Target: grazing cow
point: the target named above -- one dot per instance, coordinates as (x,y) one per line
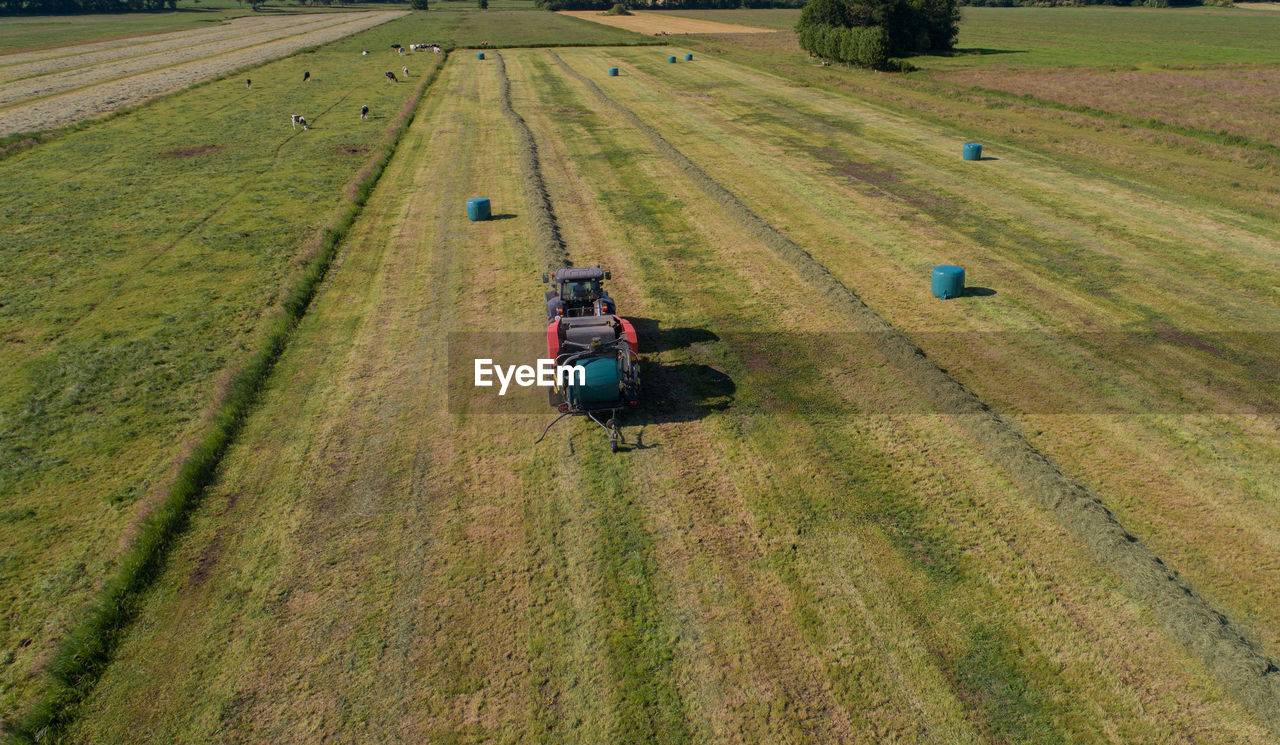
(364,113)
(306,76)
(392,77)
(406,71)
(248,83)
(400,50)
(484,43)
(365,53)
(395,46)
(296,119)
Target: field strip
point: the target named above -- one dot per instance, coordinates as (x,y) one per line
(387,470)
(655,23)
(804,483)
(1123,411)
(85,654)
(1188,618)
(546,228)
(61,82)
(67,108)
(143,46)
(38,55)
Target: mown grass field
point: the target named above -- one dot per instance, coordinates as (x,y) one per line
(799,545)
(819,560)
(144,258)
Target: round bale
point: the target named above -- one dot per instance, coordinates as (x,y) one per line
(948,281)
(478,209)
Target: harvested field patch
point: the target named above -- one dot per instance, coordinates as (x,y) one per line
(1236,101)
(651,23)
(100,90)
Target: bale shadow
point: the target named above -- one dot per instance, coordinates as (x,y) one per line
(503,216)
(988,157)
(978,292)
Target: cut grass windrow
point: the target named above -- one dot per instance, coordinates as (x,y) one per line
(646,702)
(550,245)
(1240,665)
(87,650)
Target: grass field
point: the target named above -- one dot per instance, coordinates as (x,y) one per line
(805,540)
(883,580)
(121,315)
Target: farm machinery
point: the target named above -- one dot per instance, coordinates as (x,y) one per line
(596,348)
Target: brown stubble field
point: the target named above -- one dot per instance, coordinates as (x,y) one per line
(1238,101)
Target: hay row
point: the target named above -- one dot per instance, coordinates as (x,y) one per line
(546,230)
(1241,666)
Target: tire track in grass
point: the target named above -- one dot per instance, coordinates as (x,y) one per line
(646,705)
(1239,664)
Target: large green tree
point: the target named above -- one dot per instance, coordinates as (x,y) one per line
(828,28)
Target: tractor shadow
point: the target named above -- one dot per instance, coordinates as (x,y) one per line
(680,391)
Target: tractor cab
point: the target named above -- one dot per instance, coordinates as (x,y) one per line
(577,291)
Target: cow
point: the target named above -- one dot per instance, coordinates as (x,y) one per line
(364,113)
(248,83)
(392,77)
(306,76)
(406,70)
(297,119)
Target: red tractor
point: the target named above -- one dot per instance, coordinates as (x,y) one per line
(596,352)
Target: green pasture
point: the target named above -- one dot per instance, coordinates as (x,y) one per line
(1087,37)
(38,32)
(144,257)
(1110,37)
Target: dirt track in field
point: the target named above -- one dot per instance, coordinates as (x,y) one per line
(114,85)
(653,23)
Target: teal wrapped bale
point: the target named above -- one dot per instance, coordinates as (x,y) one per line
(973,151)
(478,209)
(613,72)
(672,58)
(688,57)
(948,281)
(480,55)
(600,381)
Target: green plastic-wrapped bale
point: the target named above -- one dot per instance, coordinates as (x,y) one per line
(600,384)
